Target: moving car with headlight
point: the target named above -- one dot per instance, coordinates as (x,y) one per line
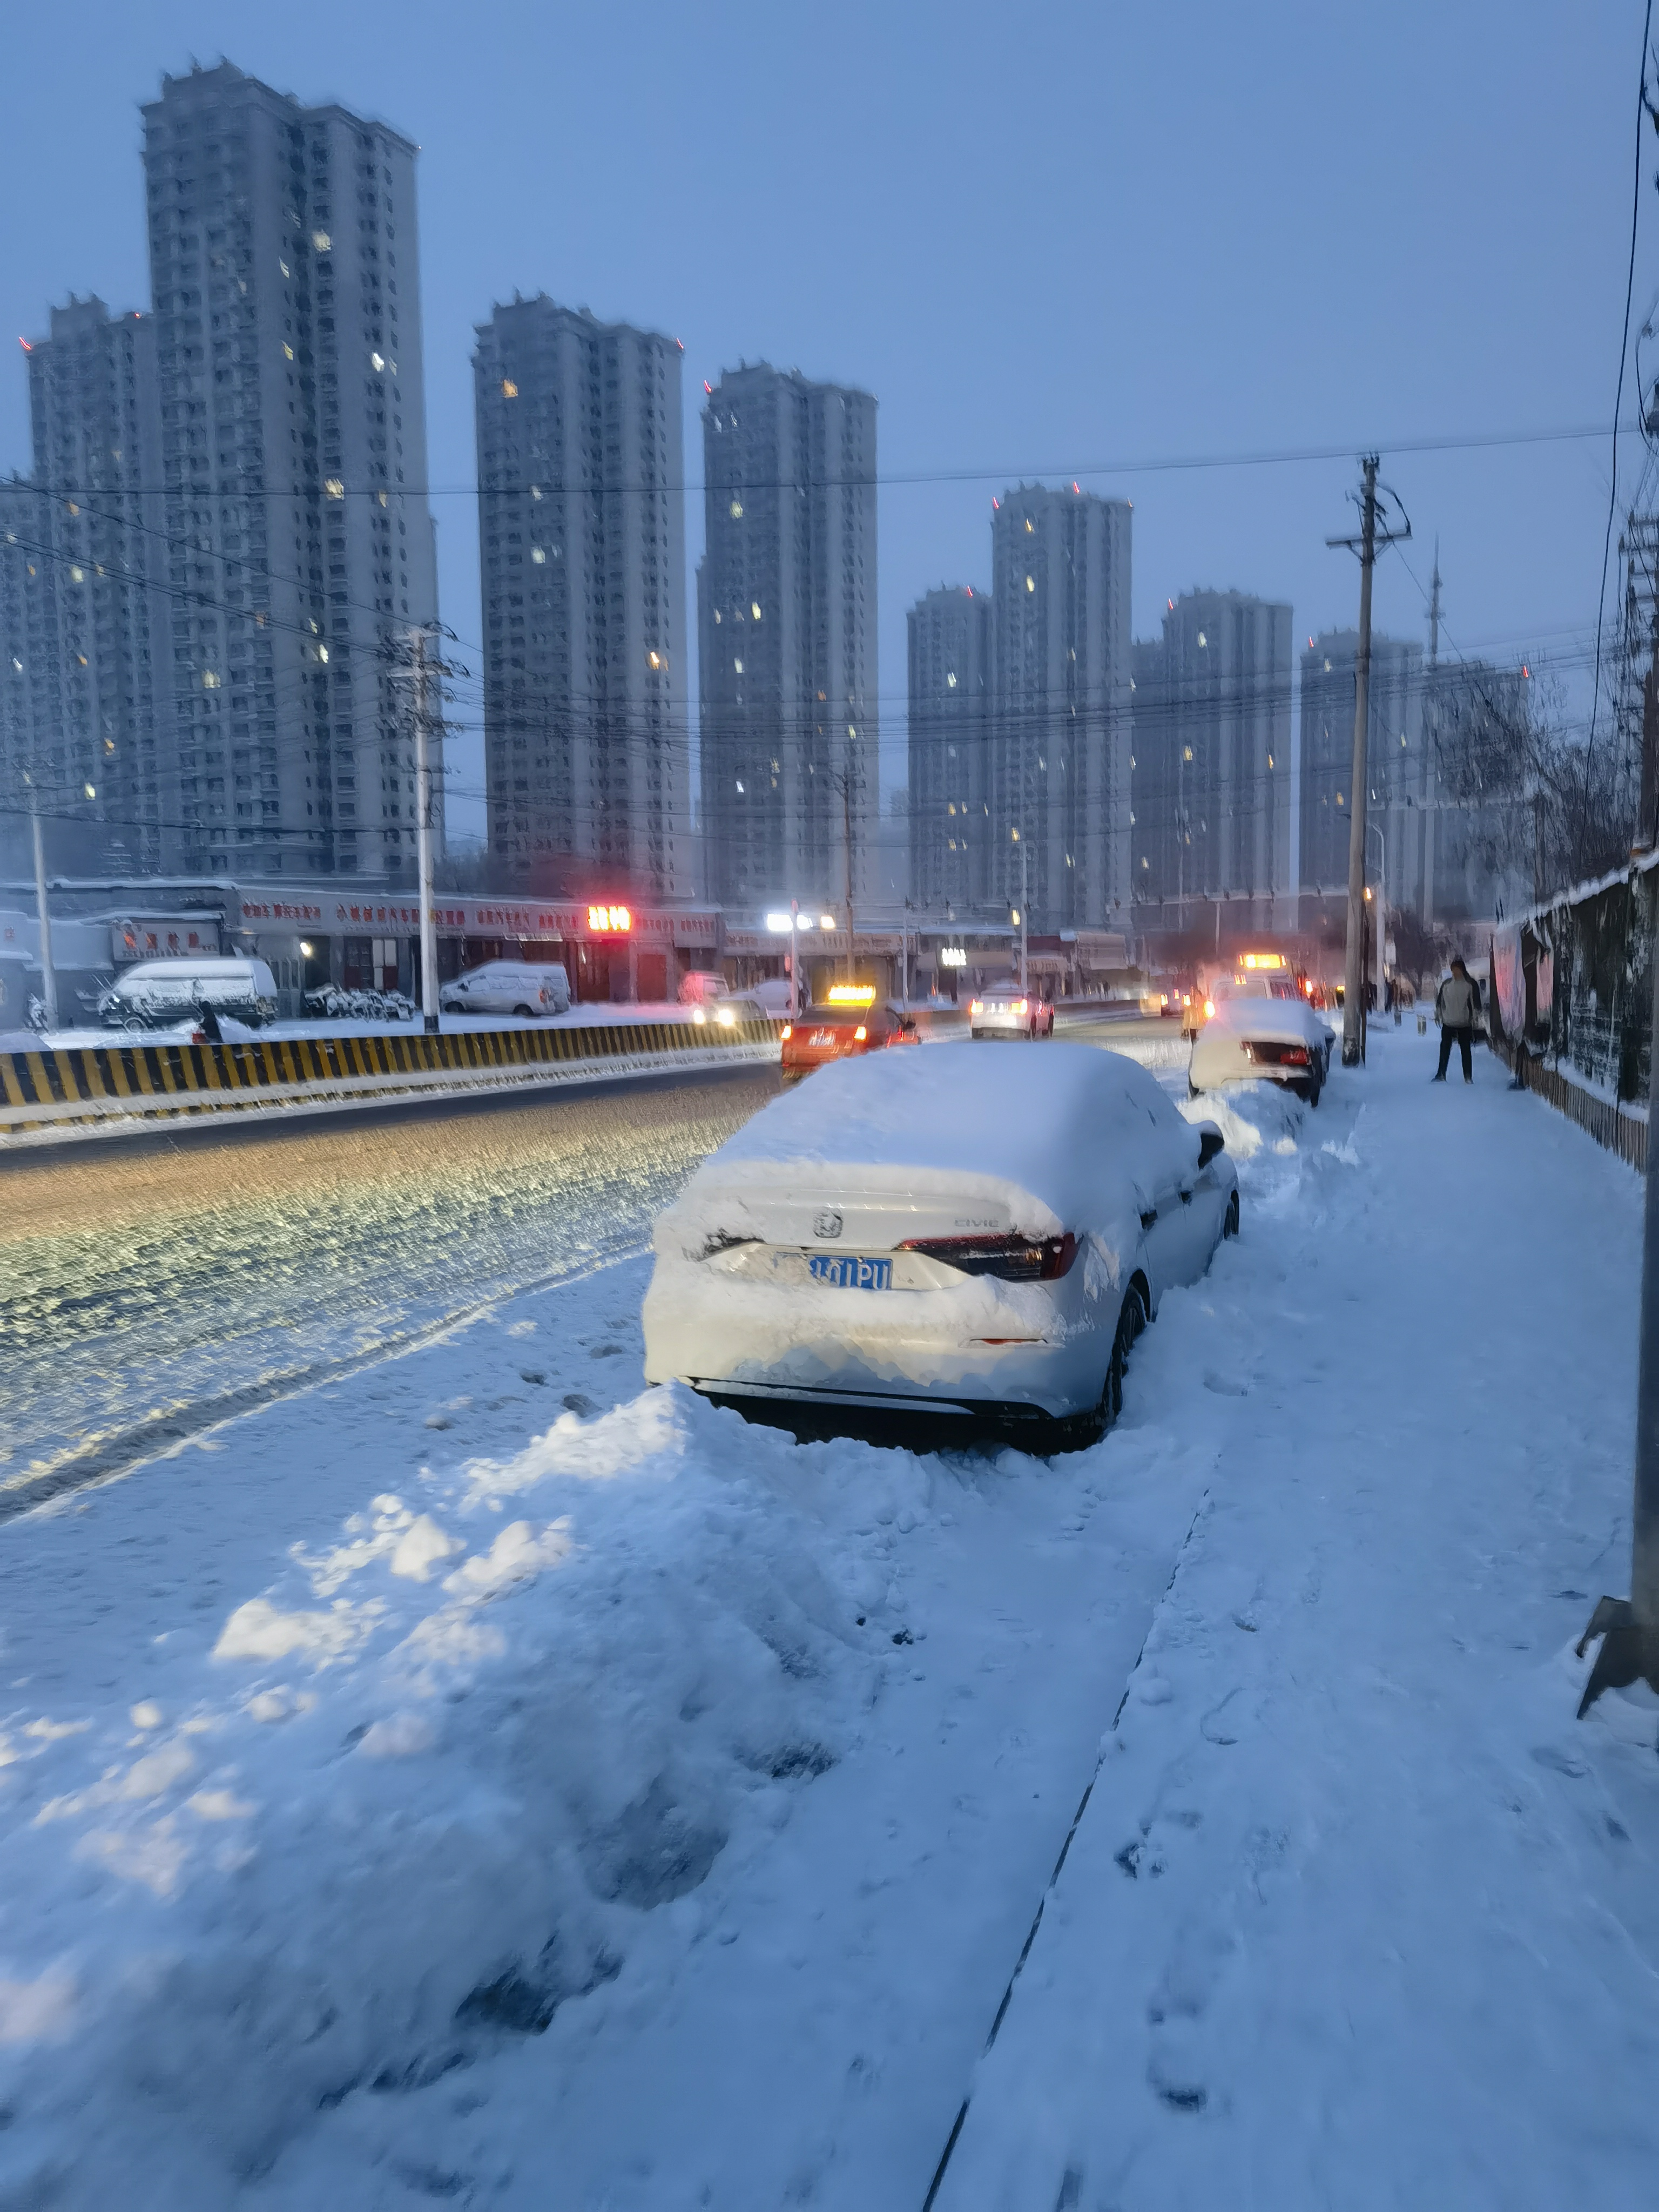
(1262,1029)
(958,1237)
(852,1021)
(1008,1009)
(730,1013)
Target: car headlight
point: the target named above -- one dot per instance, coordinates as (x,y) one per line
(698,1015)
(724,1017)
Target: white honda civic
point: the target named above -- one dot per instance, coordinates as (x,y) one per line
(945,1232)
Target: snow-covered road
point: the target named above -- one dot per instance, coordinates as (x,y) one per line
(394,1808)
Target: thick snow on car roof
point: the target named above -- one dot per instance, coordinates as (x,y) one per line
(1072,1137)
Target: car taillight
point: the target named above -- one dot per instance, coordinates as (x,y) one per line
(1010,1258)
(788,1031)
(860,1034)
(1295,1056)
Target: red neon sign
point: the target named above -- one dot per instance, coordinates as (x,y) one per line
(604,920)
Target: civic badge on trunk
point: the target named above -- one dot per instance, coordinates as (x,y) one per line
(828,1223)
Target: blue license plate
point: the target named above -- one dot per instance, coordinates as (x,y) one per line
(849,1272)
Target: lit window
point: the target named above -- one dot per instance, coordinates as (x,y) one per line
(655,660)
(951,683)
(377,362)
(210,681)
(737,510)
(288,351)
(754,608)
(1187,753)
(322,654)
(534,491)
(321,240)
(537,553)
(1031,583)
(1203,639)
(1270,760)
(77,575)
(1028,525)
(283,266)
(739,783)
(334,486)
(737,664)
(509,390)
(90,789)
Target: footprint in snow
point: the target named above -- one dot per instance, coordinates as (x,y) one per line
(1226,1386)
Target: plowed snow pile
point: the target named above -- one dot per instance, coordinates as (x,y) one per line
(424,1789)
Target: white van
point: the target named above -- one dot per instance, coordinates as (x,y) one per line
(508,987)
(157,993)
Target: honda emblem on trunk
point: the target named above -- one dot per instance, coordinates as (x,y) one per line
(828,1223)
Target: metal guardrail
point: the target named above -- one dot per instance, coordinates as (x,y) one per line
(1604,1119)
(60,1094)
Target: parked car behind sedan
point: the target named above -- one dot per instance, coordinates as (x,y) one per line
(1007,1010)
(845,1028)
(508,987)
(1262,1033)
(731,1011)
(962,1235)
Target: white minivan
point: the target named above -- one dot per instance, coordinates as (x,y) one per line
(508,987)
(157,993)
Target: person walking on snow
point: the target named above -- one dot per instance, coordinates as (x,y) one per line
(1457,1008)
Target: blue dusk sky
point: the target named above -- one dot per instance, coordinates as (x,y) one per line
(1055,240)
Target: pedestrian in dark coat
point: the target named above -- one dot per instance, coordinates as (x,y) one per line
(1457,1010)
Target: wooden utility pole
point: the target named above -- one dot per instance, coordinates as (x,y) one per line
(1354,1006)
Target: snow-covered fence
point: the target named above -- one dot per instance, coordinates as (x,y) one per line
(1572,1004)
(60,1094)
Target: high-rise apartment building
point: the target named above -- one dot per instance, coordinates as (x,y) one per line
(284,269)
(581,532)
(949,698)
(1060,708)
(786,631)
(100,730)
(1394,765)
(1212,780)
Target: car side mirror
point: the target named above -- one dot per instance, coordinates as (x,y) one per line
(1210,1142)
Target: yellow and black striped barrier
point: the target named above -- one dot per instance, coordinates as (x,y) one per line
(57,1093)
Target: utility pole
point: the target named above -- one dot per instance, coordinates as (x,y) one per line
(1354,1005)
(423,837)
(794,960)
(48,973)
(1432,748)
(1024,912)
(1629,1627)
(847,848)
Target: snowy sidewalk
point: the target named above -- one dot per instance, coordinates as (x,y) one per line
(1358,1915)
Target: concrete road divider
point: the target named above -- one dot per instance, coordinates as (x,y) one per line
(62,1094)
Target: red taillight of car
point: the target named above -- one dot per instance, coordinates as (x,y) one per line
(1010,1258)
(1294,1056)
(860,1034)
(788,1031)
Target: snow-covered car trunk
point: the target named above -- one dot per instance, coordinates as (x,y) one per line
(1270,1040)
(934,1230)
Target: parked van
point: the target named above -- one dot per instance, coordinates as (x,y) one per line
(508,987)
(158,993)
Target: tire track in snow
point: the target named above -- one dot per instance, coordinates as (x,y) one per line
(120,1452)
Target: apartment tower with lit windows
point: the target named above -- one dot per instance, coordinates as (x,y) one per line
(285,276)
(950,654)
(1214,841)
(786,635)
(581,537)
(1059,748)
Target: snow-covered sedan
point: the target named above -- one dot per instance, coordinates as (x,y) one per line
(1261,1031)
(949,1233)
(1006,1010)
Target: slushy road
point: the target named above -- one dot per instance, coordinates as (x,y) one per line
(144,1294)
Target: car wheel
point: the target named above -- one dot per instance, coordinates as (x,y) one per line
(1130,1321)
(1316,1084)
(522,1013)
(1229,1226)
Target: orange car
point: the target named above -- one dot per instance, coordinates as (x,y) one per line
(853,1022)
